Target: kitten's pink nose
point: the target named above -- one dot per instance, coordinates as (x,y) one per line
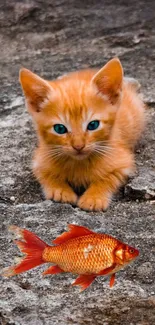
(78,147)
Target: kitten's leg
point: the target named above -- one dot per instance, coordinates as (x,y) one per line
(99,194)
(58,191)
(51,179)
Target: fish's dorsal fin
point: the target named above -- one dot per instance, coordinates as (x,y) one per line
(74,231)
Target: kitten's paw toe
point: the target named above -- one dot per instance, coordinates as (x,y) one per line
(90,204)
(93,204)
(69,197)
(62,195)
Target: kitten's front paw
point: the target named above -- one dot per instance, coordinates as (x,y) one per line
(65,195)
(93,203)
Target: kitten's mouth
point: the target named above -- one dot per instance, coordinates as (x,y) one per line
(80,155)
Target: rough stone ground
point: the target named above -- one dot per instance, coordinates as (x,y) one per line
(51,38)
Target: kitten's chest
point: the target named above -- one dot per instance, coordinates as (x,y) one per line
(80,175)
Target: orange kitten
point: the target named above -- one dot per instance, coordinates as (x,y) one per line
(87,123)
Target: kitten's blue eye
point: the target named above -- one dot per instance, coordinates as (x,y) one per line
(60,128)
(93,125)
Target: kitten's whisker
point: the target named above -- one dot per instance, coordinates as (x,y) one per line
(105,147)
(104,153)
(52,154)
(104,144)
(104,150)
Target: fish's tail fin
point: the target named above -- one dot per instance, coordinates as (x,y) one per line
(29,244)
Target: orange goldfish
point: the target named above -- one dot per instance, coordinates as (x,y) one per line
(79,250)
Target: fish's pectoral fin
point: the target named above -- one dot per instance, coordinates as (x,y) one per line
(53,270)
(112,280)
(84,281)
(108,270)
(74,231)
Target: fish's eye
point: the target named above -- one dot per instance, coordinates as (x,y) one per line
(93,125)
(131,250)
(60,128)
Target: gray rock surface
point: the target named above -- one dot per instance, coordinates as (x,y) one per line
(52,38)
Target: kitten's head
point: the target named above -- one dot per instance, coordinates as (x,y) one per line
(74,115)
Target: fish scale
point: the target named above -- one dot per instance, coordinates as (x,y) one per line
(71,257)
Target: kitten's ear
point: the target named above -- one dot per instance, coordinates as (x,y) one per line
(36,90)
(108,80)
